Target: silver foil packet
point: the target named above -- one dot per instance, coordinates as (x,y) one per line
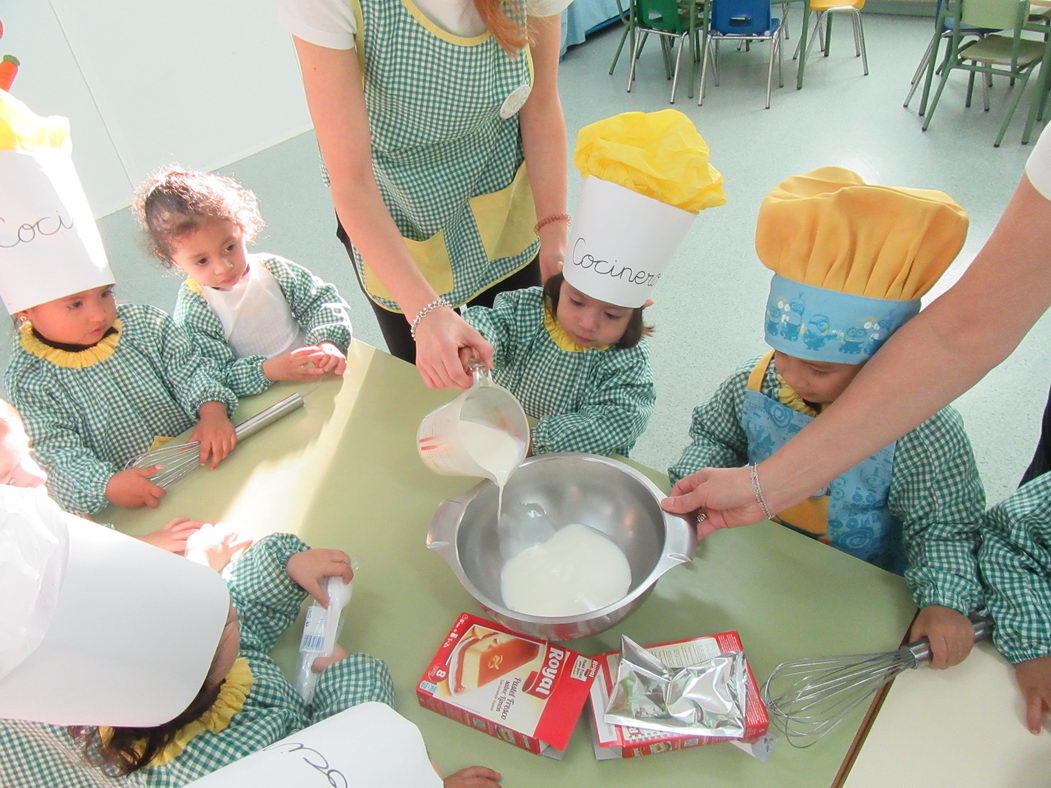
(703,699)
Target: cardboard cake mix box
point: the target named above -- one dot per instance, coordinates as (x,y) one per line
(618,741)
(527,692)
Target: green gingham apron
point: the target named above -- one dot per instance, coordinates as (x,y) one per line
(446,148)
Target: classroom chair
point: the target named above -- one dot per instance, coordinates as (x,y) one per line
(1005,54)
(824,10)
(743,21)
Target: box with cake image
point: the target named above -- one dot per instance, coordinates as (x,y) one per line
(621,741)
(526,692)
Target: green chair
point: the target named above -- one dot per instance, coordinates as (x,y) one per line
(671,23)
(628,18)
(1005,55)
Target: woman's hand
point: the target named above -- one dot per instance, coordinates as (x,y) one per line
(949,632)
(1034,679)
(723,495)
(552,248)
(440,337)
(132,488)
(310,567)
(172,535)
(214,432)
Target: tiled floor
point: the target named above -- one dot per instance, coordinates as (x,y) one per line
(710,305)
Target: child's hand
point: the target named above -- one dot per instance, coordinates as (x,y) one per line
(1034,679)
(310,567)
(950,633)
(133,488)
(332,361)
(299,365)
(173,535)
(215,433)
(338,653)
(215,545)
(473,777)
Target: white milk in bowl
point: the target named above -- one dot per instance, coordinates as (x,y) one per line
(576,571)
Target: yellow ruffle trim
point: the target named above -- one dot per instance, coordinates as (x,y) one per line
(560,336)
(230,701)
(786,395)
(79,359)
(193,285)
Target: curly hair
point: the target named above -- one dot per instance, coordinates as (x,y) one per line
(174,202)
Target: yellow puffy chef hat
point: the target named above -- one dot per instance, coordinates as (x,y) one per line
(850,260)
(49,244)
(646,176)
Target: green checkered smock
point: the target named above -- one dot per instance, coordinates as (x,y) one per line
(449,168)
(1015,562)
(935,489)
(590,400)
(88,416)
(267,602)
(315,305)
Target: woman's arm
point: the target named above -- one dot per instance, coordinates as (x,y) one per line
(926,364)
(544,141)
(332,80)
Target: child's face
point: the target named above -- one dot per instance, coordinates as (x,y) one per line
(79,319)
(590,322)
(819,382)
(214,253)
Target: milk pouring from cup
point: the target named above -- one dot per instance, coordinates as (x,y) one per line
(320,630)
(483,432)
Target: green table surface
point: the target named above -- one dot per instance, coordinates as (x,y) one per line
(343,472)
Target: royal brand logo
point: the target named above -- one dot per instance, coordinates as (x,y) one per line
(496,661)
(540,682)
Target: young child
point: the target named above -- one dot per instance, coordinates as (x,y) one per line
(578,365)
(851,261)
(260,317)
(574,352)
(96,384)
(1015,564)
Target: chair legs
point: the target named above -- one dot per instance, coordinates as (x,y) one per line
(917,76)
(826,40)
(711,56)
(673,72)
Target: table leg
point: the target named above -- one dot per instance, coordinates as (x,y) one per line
(1042,87)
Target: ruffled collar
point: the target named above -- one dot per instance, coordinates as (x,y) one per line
(786,395)
(560,336)
(71,359)
(230,701)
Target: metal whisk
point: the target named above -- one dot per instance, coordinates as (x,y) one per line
(177,461)
(807,698)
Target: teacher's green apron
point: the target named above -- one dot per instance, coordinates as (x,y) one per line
(852,515)
(446,148)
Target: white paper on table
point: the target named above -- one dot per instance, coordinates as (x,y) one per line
(957,727)
(365,745)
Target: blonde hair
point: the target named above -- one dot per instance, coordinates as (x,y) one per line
(512,34)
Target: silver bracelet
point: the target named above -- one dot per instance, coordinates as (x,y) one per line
(437,303)
(758,491)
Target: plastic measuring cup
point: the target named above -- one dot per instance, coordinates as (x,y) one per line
(439,440)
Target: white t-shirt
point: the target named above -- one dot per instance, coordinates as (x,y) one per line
(330,23)
(1038,168)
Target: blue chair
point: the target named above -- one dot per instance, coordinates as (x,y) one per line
(743,21)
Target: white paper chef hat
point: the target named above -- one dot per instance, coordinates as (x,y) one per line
(49,244)
(98,628)
(646,176)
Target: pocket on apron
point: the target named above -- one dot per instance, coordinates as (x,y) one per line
(432,258)
(505,218)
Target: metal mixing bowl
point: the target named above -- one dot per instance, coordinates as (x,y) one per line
(599,492)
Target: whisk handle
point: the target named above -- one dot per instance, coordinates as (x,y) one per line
(921,649)
(252,425)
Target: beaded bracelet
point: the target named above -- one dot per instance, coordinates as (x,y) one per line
(758,491)
(555,217)
(437,303)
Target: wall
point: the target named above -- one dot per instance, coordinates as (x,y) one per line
(201,82)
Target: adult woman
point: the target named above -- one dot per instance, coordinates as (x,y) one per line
(934,358)
(421,115)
